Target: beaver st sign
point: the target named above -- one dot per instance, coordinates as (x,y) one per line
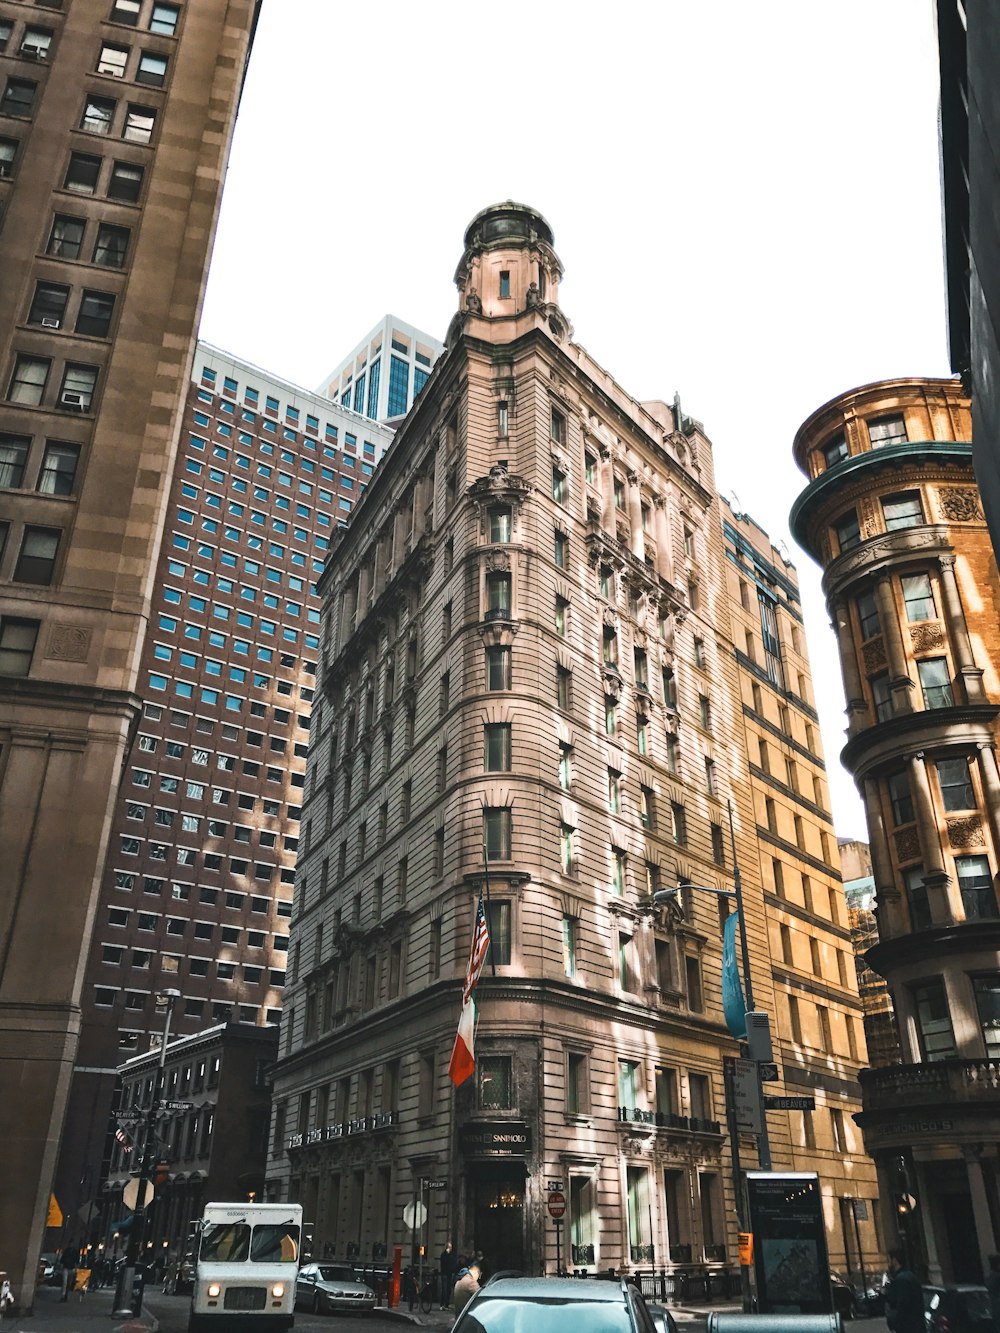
(557,1204)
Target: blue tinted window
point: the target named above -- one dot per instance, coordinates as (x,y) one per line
(399,386)
(201,418)
(420,378)
(359,394)
(182,543)
(373,377)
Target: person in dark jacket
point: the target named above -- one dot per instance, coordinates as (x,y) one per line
(447,1268)
(904,1301)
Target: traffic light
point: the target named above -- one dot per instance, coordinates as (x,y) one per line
(161,1173)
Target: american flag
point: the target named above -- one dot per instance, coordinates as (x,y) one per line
(123,1138)
(480,947)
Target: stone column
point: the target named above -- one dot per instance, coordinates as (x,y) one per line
(990,777)
(638,542)
(664,553)
(857,708)
(943,907)
(931,1222)
(958,633)
(890,917)
(980,1206)
(364,593)
(901,684)
(607,491)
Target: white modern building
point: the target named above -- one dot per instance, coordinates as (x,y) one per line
(385,372)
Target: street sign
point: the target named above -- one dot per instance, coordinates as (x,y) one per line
(789,1103)
(769,1073)
(176,1106)
(129,1117)
(437,1184)
(55,1217)
(557,1204)
(415,1215)
(746,1096)
(130,1194)
(553,1185)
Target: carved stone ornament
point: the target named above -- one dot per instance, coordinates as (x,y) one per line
(68,643)
(874,655)
(960,504)
(671,722)
(497,560)
(907,844)
(613,683)
(868,521)
(966,832)
(926,636)
(610,619)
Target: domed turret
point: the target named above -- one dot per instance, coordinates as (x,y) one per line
(509,265)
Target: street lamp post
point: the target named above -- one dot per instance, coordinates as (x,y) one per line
(131,1282)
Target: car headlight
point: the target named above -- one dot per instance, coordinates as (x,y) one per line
(278,1290)
(214,1289)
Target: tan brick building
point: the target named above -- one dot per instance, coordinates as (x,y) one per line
(528,647)
(892,513)
(115,122)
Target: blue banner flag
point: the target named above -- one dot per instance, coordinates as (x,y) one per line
(733,1004)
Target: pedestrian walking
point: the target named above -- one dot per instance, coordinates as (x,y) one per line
(6,1295)
(448,1267)
(466,1287)
(904,1301)
(69,1259)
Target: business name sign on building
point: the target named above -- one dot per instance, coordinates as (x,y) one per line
(494,1138)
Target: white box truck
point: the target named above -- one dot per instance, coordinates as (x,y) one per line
(246,1264)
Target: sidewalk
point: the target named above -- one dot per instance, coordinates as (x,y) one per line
(88,1315)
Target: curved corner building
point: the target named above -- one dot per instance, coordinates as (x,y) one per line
(892,513)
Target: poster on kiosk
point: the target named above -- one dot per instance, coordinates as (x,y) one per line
(791,1263)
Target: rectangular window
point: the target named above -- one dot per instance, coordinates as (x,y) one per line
(152,70)
(94,316)
(559,485)
(956,784)
(900,798)
(567,855)
(111,246)
(577,1083)
(918,598)
(847,530)
(98,113)
(628,1083)
(17,645)
(569,931)
(881,696)
(680,823)
(935,682)
(916,897)
(496,833)
(868,616)
(13,454)
(562,616)
(139,122)
(498,920)
(65,238)
(496,1082)
(18,98)
(563,691)
(28,380)
(164,19)
(937,1038)
(504,285)
(125,184)
(886,430)
(37,558)
(902,511)
(692,978)
(76,393)
(497,745)
(834,450)
(976,886)
(113,60)
(987,992)
(58,468)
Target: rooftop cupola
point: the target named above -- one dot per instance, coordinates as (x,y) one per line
(509,265)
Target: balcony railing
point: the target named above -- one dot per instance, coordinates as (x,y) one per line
(667,1120)
(583,1254)
(939,1082)
(642,1254)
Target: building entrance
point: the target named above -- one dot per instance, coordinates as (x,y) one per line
(498,1215)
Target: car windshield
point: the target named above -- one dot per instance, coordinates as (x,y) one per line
(977,1303)
(330,1274)
(225,1242)
(499,1314)
(275,1244)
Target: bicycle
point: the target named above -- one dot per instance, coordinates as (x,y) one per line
(428,1293)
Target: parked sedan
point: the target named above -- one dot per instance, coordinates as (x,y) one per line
(330,1288)
(962,1308)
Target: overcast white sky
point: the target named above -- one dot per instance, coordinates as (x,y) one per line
(745,199)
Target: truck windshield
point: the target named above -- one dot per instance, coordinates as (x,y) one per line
(275,1244)
(225,1242)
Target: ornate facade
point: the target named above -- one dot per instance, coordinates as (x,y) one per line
(528,688)
(893,514)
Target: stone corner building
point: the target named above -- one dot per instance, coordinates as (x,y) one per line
(115,123)
(528,668)
(893,514)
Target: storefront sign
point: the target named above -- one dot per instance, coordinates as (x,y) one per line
(494,1138)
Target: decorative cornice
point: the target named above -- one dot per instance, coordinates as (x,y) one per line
(959,727)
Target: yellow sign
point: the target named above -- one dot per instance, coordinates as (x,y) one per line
(55,1217)
(745,1239)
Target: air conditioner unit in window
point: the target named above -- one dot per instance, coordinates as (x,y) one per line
(47,322)
(32,51)
(70,399)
